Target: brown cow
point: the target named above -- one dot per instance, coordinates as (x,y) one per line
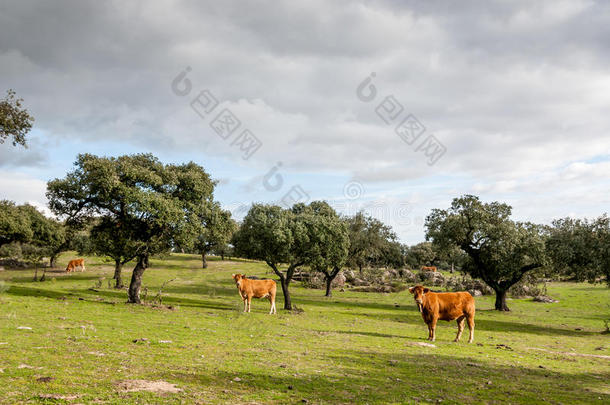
(428,268)
(73,264)
(446,307)
(249,289)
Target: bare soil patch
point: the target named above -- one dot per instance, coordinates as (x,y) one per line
(145,385)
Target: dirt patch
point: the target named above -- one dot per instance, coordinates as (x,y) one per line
(145,385)
(58,397)
(422,344)
(597,356)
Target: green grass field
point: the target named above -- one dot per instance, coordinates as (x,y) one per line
(351,348)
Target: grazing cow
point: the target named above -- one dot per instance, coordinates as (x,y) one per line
(249,289)
(446,307)
(428,268)
(73,264)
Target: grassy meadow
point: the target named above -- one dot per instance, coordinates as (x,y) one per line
(351,348)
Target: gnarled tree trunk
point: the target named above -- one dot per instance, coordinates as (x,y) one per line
(287,300)
(53,261)
(136,280)
(501,301)
(329,290)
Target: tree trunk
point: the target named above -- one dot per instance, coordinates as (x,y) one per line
(287,301)
(451,267)
(204,261)
(360,269)
(329,290)
(53,261)
(501,301)
(118,267)
(222,257)
(136,280)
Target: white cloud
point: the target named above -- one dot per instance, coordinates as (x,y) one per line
(517,91)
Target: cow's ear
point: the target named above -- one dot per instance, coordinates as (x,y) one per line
(411,289)
(426,290)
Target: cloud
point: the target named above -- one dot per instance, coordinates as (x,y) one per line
(516,91)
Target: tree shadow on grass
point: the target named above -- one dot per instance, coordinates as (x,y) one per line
(21,291)
(60,276)
(166,300)
(353,376)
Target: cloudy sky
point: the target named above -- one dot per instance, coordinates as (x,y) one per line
(394,107)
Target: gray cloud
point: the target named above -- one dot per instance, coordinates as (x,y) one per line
(513,89)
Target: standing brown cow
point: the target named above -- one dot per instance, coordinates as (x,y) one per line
(249,289)
(446,307)
(73,264)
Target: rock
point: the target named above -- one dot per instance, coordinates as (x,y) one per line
(339,281)
(24,327)
(489,382)
(165,341)
(359,282)
(476,293)
(237,379)
(545,299)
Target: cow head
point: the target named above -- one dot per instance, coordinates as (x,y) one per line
(418,294)
(238,278)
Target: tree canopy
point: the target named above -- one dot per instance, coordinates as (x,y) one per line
(268,233)
(500,251)
(147,201)
(15,120)
(324,241)
(580,248)
(370,242)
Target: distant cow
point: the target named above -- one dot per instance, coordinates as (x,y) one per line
(73,264)
(249,289)
(428,268)
(446,307)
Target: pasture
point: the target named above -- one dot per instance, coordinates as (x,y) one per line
(86,344)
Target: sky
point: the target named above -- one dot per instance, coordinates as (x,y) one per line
(391,107)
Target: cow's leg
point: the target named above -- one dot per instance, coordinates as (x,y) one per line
(471,327)
(429,331)
(433,329)
(249,302)
(460,324)
(245,299)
